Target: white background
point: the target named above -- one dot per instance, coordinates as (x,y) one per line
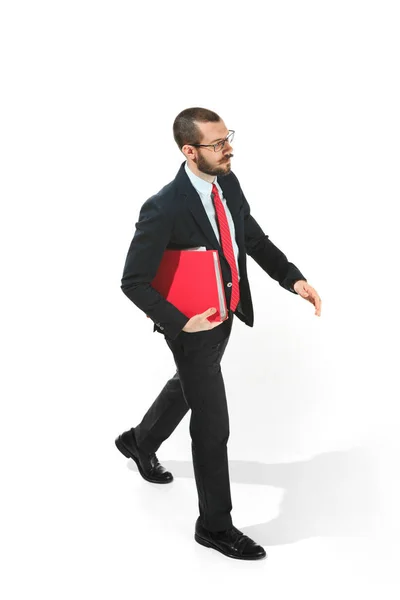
(89,94)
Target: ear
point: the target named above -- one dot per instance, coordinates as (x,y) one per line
(189,152)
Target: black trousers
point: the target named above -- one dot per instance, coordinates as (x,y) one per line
(197,385)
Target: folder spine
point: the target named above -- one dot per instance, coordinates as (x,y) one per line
(221,295)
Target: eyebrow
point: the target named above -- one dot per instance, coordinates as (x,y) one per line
(219,139)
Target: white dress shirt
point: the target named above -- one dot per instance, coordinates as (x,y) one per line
(204,189)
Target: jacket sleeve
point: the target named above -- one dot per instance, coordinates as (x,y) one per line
(272,260)
(146,250)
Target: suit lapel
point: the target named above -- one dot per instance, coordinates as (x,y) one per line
(196,207)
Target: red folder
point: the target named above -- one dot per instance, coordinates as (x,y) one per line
(191,280)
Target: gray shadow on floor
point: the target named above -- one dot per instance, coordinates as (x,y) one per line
(333,494)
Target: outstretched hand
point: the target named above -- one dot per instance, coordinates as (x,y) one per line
(305,290)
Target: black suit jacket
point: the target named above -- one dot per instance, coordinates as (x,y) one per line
(175,218)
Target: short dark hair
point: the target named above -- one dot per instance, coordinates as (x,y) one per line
(185,127)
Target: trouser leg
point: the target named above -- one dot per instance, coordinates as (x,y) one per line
(204,391)
(162,417)
(170,406)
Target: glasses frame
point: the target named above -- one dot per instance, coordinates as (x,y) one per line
(231,132)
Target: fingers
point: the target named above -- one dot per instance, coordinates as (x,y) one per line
(318,306)
(312,296)
(206,314)
(316,300)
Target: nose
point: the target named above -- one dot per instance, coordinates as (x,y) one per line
(227,148)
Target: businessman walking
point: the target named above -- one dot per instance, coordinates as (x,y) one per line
(203,205)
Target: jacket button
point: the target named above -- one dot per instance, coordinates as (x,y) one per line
(229,284)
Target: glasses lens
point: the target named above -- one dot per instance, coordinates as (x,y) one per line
(220,145)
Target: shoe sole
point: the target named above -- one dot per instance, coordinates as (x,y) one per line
(209,544)
(126,452)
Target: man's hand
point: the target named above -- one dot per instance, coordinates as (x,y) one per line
(306,291)
(200,322)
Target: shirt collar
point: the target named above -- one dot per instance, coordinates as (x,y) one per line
(202,186)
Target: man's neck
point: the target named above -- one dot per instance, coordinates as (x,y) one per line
(205,176)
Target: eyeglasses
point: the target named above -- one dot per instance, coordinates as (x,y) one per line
(219,145)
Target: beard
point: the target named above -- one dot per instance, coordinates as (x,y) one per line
(210,169)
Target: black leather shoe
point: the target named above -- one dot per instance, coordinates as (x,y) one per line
(231,542)
(148,465)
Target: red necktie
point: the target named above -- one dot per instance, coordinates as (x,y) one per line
(227,248)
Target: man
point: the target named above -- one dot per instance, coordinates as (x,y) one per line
(203,206)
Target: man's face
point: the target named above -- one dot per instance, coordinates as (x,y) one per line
(206,159)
